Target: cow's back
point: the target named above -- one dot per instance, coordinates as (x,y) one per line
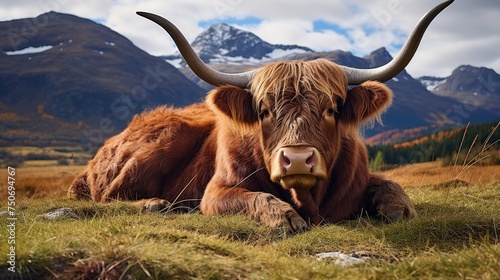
(164,152)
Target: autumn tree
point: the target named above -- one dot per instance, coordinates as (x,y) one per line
(377,163)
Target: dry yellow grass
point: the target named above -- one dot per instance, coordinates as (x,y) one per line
(433,173)
(42,182)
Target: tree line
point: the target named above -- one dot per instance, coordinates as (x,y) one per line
(462,145)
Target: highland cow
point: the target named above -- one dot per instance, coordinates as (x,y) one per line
(279,144)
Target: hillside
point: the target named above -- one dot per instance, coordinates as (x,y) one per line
(472,86)
(74,81)
(472,144)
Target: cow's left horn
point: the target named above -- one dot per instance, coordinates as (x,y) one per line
(388,71)
(203,71)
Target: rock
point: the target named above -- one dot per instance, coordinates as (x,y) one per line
(60,214)
(342,259)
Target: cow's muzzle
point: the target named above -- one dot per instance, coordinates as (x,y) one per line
(298,167)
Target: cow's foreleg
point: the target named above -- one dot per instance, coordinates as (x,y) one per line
(273,212)
(263,207)
(388,200)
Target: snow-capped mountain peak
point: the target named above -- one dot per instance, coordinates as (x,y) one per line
(222,43)
(219,33)
(478,86)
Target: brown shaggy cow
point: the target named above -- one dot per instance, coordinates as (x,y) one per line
(281,144)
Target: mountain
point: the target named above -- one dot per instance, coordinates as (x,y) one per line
(232,50)
(222,43)
(68,79)
(414,106)
(472,86)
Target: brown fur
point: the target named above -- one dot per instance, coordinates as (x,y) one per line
(218,155)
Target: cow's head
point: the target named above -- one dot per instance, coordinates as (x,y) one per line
(299,110)
(303,108)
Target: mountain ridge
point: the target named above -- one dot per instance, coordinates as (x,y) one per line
(90,79)
(472,86)
(76,81)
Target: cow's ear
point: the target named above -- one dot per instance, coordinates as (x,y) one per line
(235,105)
(365,102)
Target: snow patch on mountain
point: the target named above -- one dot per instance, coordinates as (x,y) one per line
(176,62)
(431,83)
(29,50)
(277,53)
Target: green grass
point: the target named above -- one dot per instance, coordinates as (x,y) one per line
(29,156)
(455,236)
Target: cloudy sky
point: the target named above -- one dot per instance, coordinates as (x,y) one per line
(467,32)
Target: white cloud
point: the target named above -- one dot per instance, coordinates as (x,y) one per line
(465,33)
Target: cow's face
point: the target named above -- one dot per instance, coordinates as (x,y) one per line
(300,111)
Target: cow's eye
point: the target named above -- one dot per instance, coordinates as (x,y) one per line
(264,113)
(330,111)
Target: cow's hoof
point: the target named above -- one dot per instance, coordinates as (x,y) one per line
(156,205)
(395,216)
(295,223)
(288,220)
(276,213)
(393,204)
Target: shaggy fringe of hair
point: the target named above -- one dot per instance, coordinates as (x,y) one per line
(299,76)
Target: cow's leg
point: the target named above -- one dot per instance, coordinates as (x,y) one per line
(263,207)
(126,185)
(154,204)
(80,189)
(386,199)
(160,205)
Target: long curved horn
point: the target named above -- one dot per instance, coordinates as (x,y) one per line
(388,71)
(203,71)
(354,75)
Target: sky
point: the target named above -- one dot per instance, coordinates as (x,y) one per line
(467,32)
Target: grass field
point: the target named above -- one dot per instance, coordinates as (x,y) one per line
(455,236)
(27,156)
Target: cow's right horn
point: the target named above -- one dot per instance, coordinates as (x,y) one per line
(388,71)
(202,70)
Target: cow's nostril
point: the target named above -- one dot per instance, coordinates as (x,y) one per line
(310,160)
(285,161)
(297,161)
